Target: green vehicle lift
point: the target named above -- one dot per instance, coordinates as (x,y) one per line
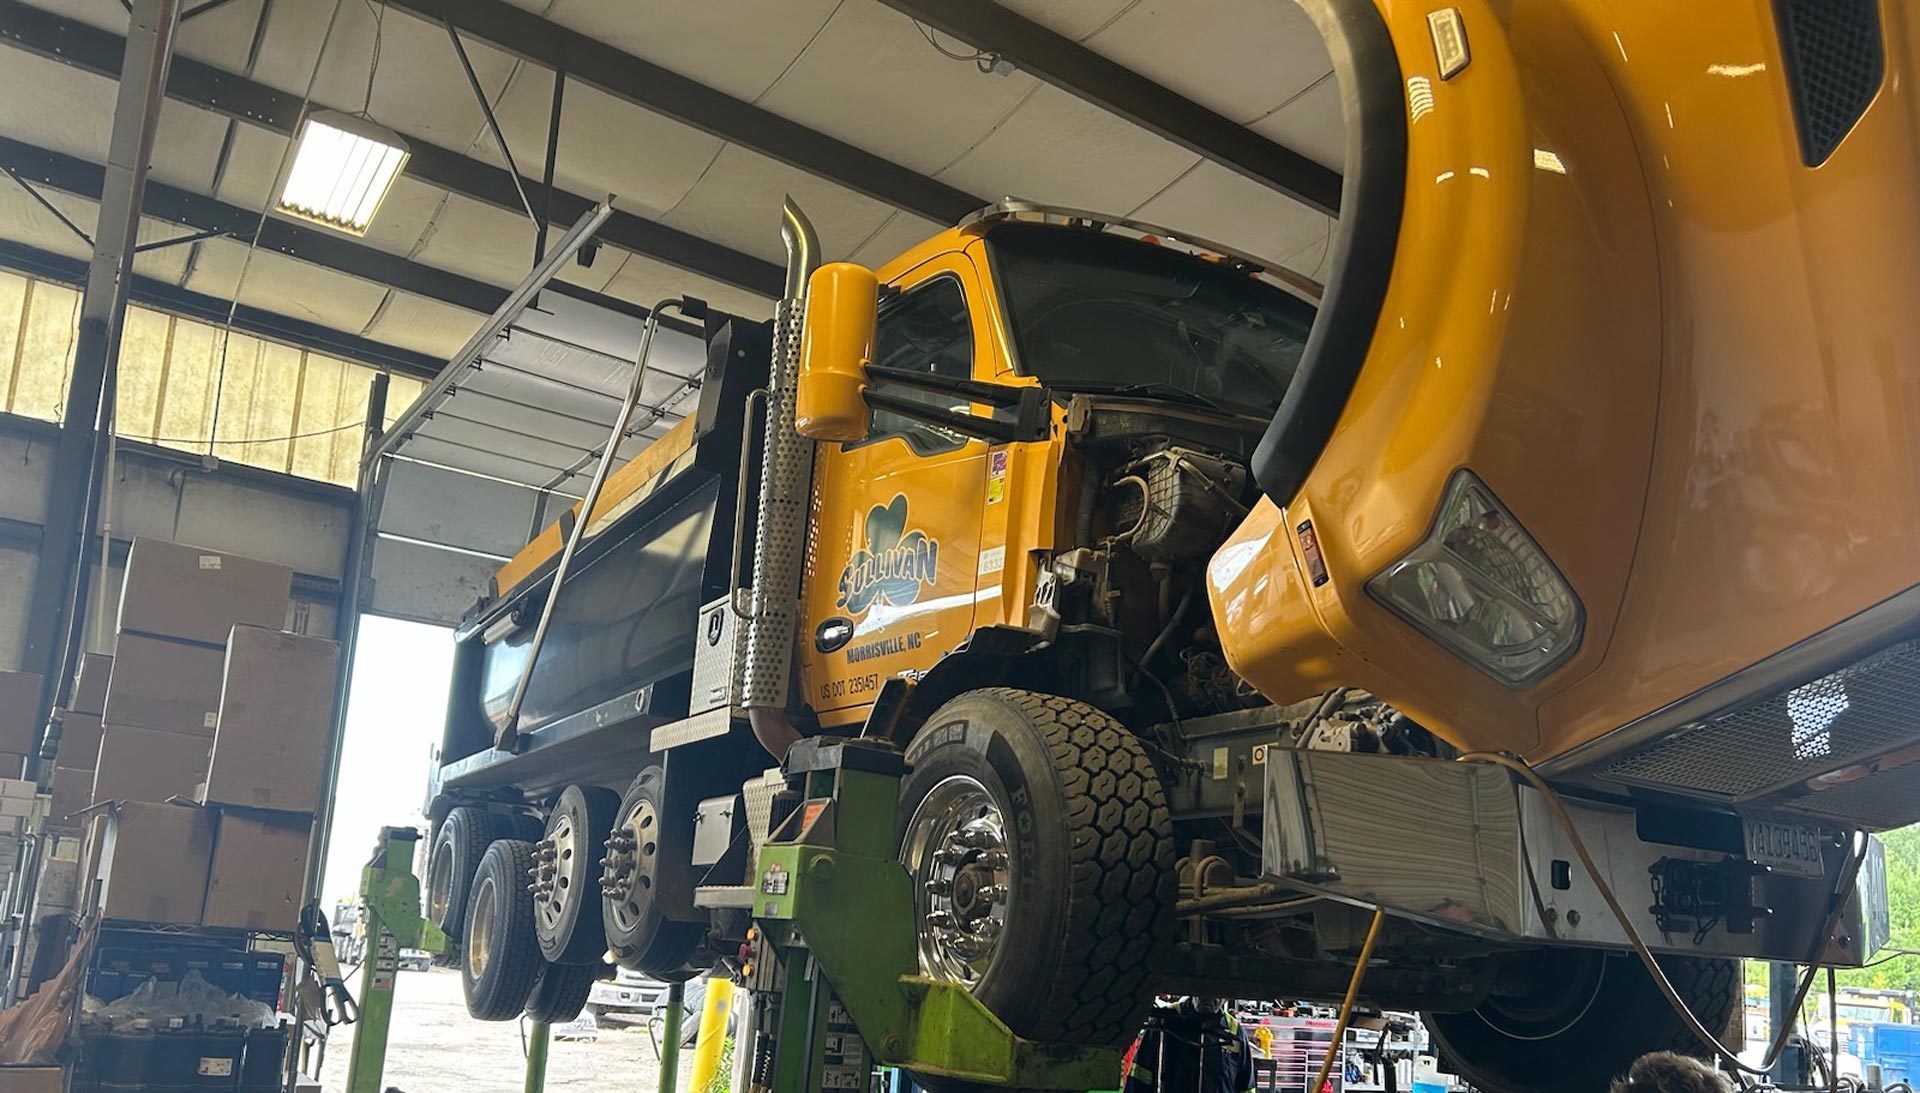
(390,894)
(833,911)
(831,956)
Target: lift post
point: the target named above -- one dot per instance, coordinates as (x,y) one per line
(391,895)
(539,1037)
(670,1036)
(834,922)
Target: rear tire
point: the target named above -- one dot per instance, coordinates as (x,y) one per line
(638,932)
(1037,834)
(1590,1017)
(560,992)
(457,848)
(567,863)
(502,957)
(525,826)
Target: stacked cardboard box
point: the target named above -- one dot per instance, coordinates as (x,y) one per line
(153,862)
(32,1079)
(208,699)
(16,804)
(79,749)
(186,864)
(276,707)
(258,869)
(19,712)
(177,605)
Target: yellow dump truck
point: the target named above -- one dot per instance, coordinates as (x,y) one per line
(1184,582)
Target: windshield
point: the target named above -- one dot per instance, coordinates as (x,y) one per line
(1097,312)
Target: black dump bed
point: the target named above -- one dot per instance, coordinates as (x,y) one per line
(618,657)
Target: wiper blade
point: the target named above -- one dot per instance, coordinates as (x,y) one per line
(1166,391)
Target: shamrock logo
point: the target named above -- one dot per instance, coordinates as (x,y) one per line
(894,563)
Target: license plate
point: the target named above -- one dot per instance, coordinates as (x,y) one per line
(1788,848)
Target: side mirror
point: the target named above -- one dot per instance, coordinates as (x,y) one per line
(836,343)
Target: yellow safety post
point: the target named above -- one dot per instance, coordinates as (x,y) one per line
(713,1034)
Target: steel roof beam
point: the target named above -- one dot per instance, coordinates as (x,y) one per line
(1079,71)
(195,83)
(672,95)
(326,249)
(163,296)
(170,203)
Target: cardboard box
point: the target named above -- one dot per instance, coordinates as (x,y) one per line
(19,711)
(275,711)
(90,684)
(163,684)
(59,879)
(148,765)
(154,862)
(79,740)
(259,868)
(192,594)
(72,793)
(32,1079)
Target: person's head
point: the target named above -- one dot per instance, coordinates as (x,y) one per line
(1209,1004)
(1666,1072)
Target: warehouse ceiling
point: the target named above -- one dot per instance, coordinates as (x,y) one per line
(697,117)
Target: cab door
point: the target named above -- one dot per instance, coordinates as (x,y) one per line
(894,545)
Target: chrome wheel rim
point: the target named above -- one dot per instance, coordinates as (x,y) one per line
(632,851)
(556,873)
(956,850)
(480,928)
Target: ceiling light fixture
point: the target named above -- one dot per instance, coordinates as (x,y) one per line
(342,168)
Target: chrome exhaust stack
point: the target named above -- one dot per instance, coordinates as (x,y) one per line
(763,661)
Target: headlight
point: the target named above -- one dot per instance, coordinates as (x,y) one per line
(1482,587)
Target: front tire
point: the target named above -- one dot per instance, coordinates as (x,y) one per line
(1582,1020)
(1037,834)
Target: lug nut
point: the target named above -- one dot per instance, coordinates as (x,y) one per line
(940,920)
(938,887)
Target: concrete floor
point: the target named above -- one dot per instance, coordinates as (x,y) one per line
(436,1048)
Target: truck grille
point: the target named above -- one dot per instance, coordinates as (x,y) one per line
(1834,65)
(1778,747)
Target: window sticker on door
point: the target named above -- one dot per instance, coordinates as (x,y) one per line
(893,565)
(996,476)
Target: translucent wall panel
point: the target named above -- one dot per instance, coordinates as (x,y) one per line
(42,350)
(184,384)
